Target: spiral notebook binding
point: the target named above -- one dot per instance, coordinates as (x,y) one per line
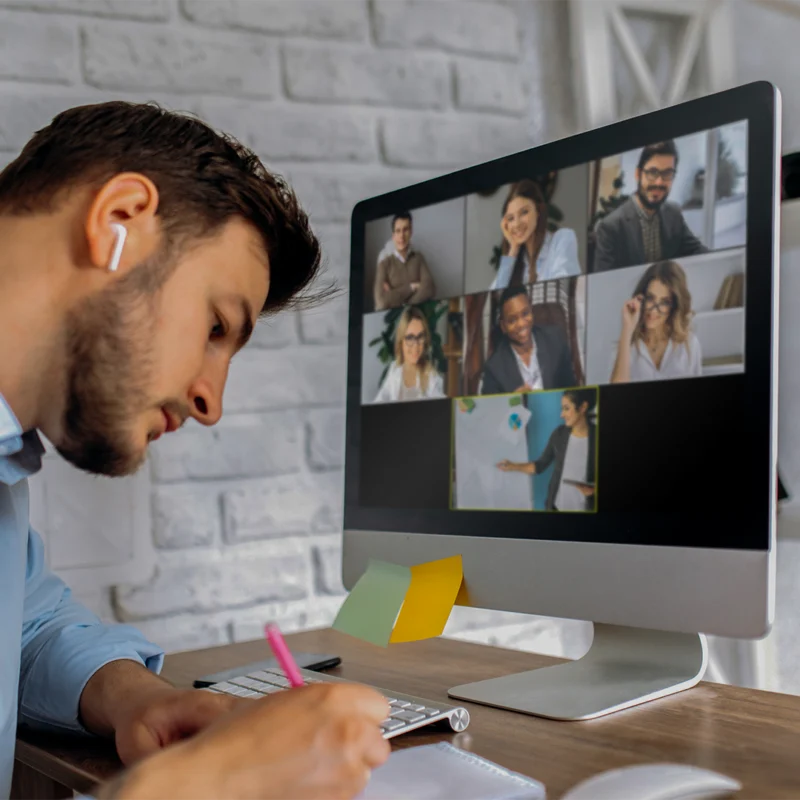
(489,766)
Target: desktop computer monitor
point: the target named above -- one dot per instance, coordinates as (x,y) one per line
(562,367)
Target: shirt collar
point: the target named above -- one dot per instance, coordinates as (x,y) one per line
(20,451)
(10,430)
(409,252)
(643,215)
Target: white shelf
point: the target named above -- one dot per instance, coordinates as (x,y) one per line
(719,313)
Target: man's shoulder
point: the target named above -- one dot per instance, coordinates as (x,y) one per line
(618,216)
(549,333)
(671,211)
(500,353)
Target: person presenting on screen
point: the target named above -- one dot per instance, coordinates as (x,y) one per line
(530,252)
(412,375)
(656,340)
(571,450)
(528,357)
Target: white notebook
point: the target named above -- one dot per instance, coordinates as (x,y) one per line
(443,772)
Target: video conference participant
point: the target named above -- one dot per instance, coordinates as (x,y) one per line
(646,228)
(656,340)
(412,375)
(571,449)
(530,252)
(527,357)
(402,275)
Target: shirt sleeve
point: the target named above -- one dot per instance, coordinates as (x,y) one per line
(63,645)
(563,256)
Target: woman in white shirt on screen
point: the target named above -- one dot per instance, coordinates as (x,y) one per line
(656,340)
(530,252)
(412,375)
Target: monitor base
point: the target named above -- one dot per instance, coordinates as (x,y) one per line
(624,667)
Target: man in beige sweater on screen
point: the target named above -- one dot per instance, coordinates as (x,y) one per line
(403,277)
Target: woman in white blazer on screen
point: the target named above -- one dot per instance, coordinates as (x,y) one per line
(412,375)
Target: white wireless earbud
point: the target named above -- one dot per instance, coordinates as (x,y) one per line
(122,234)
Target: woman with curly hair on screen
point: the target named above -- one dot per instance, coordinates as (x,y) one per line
(657,342)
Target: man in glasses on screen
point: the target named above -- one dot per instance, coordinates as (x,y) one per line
(646,228)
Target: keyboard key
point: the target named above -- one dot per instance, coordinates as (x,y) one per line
(399,704)
(225,687)
(407,716)
(391,724)
(417,708)
(431,712)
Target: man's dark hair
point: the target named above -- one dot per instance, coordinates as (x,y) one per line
(666,148)
(509,293)
(402,215)
(204,179)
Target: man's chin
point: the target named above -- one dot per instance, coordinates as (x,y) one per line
(99,459)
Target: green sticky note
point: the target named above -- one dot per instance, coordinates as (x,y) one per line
(370,610)
(515,400)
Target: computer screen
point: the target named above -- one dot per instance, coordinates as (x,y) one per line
(564,352)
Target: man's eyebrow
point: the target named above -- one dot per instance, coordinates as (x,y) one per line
(246,331)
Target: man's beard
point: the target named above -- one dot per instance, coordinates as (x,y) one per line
(649,204)
(109,367)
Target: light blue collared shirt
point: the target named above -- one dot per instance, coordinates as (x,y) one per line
(558,258)
(50,645)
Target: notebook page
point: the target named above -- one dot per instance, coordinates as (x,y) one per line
(443,772)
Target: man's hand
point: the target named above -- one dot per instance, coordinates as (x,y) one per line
(165,716)
(143,712)
(318,741)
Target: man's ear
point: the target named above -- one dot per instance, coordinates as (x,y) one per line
(638,175)
(129,200)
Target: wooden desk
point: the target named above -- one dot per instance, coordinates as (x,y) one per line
(750,735)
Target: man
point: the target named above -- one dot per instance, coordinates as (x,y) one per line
(528,357)
(403,275)
(138,249)
(646,228)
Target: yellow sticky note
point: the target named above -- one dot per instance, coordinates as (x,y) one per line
(429,600)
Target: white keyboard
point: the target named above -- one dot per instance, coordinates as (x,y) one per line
(407,712)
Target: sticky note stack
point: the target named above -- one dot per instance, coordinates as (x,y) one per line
(392,603)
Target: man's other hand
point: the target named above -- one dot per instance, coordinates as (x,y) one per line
(318,741)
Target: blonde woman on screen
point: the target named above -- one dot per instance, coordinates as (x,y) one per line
(411,375)
(656,340)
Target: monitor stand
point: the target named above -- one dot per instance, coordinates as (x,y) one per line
(624,667)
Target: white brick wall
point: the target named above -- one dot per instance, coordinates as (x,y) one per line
(348,99)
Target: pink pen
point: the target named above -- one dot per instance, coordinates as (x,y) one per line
(282,654)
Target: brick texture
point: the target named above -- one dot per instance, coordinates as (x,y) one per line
(37,49)
(325,429)
(236,448)
(156,10)
(469,27)
(344,75)
(495,87)
(185,516)
(282,506)
(342,19)
(295,133)
(428,141)
(143,58)
(279,575)
(290,377)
